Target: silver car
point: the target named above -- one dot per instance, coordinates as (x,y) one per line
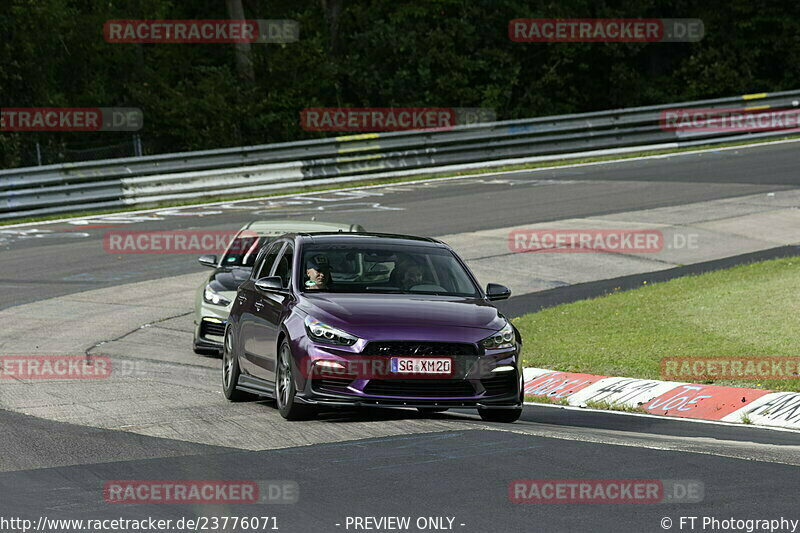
(214,297)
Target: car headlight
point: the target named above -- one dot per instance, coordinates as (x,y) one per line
(505,338)
(213,297)
(321,332)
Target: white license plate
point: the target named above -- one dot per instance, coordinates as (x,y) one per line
(422,365)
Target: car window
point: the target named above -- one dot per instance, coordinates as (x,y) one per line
(284,267)
(267,263)
(243,250)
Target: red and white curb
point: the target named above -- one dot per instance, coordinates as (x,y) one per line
(667,398)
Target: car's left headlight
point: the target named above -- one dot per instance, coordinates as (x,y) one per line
(321,332)
(505,338)
(213,297)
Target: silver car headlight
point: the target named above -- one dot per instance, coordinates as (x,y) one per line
(213,297)
(505,338)
(321,332)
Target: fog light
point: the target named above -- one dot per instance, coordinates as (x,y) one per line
(330,364)
(504,368)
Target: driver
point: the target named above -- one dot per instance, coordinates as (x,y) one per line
(318,272)
(409,273)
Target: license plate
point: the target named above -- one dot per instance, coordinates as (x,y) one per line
(422,365)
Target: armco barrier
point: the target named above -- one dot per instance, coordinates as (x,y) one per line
(151,180)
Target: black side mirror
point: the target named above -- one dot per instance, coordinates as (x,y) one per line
(495,291)
(270,284)
(208,260)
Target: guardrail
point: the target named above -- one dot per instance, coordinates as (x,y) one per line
(151,180)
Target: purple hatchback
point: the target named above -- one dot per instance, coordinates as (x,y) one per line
(363,319)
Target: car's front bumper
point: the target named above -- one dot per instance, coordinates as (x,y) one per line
(482,380)
(209,326)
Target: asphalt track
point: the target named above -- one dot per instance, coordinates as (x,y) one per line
(453,464)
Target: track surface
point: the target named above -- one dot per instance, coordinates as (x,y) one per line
(453,464)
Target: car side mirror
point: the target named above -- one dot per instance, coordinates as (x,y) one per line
(270,284)
(208,260)
(495,291)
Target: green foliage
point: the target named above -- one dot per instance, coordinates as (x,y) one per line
(401,53)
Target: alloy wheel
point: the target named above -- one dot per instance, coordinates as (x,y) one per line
(284,380)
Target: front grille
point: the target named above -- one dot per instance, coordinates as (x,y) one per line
(419,348)
(211,328)
(433,388)
(330,384)
(503,383)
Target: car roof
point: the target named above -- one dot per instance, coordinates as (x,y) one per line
(280,227)
(371,238)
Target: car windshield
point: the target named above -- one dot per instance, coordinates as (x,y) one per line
(243,250)
(384,270)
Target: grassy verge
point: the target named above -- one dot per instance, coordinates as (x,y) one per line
(746,311)
(367,181)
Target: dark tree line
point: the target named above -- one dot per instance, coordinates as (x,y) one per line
(453,53)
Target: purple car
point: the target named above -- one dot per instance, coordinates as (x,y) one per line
(366,319)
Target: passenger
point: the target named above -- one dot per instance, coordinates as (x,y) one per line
(407,273)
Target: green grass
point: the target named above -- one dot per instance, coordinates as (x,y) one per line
(747,311)
(367,181)
(608,406)
(547,399)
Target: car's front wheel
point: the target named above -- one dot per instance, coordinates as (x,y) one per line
(500,415)
(231,372)
(285,390)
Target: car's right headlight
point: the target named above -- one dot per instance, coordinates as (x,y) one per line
(213,297)
(321,332)
(505,338)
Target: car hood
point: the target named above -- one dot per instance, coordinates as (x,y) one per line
(362,314)
(228,279)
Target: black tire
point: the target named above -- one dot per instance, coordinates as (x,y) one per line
(231,372)
(431,410)
(500,415)
(285,390)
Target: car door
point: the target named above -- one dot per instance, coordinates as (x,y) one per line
(251,302)
(269,312)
